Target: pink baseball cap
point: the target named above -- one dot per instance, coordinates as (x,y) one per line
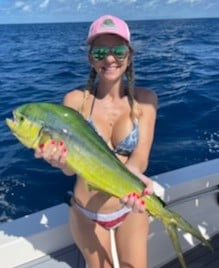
(108,24)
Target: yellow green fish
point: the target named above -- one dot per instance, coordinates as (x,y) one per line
(91,158)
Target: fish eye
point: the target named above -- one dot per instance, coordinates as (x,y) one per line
(21,118)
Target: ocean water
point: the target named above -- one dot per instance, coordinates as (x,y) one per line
(179,59)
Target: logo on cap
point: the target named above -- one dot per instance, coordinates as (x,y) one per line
(108,23)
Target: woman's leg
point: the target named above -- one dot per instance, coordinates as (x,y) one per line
(92,240)
(131,240)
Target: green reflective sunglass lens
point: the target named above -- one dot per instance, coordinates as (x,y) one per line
(120,52)
(99,53)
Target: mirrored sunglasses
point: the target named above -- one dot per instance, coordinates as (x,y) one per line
(101,52)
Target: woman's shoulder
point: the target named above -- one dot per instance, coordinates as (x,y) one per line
(74,98)
(75,94)
(145,95)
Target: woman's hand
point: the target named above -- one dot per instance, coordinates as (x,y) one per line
(134,200)
(55,153)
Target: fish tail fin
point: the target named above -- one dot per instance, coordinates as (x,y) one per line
(179,222)
(173,234)
(175,221)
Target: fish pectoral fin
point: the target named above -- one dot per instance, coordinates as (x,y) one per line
(46,135)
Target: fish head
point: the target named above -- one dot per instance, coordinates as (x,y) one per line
(24,127)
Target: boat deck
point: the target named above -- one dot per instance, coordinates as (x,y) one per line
(70,257)
(65,258)
(200,257)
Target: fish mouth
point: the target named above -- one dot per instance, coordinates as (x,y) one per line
(12,122)
(20,129)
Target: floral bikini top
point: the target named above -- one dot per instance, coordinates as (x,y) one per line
(128,144)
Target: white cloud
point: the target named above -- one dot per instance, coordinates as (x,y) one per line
(26,8)
(112,2)
(79,6)
(210,5)
(19,4)
(22,5)
(184,1)
(152,3)
(142,2)
(44,4)
(194,1)
(172,1)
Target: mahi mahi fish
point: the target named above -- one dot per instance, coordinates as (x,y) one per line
(91,158)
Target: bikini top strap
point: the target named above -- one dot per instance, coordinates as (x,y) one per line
(81,108)
(85,95)
(93,101)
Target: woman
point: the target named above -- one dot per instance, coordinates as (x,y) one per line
(125,117)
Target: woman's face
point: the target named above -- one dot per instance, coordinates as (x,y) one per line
(110,55)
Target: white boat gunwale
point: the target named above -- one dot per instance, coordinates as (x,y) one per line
(47,231)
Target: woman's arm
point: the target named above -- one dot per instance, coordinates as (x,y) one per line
(147,100)
(138,161)
(55,153)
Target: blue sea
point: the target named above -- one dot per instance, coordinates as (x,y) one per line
(179,59)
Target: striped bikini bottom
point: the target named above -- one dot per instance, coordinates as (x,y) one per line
(109,220)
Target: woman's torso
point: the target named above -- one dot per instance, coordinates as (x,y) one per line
(111,120)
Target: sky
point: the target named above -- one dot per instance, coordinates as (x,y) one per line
(37,11)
